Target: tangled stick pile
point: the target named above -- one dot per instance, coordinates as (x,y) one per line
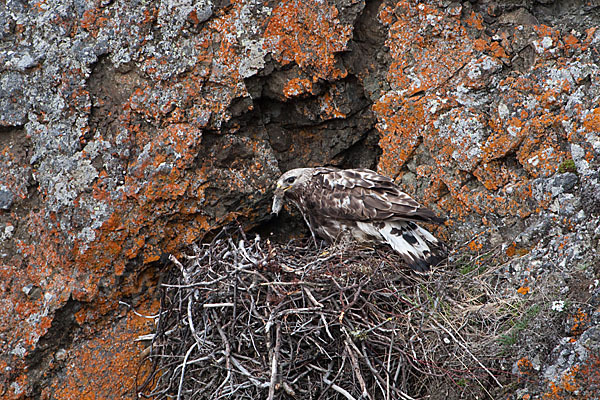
(245,318)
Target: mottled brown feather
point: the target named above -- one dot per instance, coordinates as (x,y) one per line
(361,195)
(367,206)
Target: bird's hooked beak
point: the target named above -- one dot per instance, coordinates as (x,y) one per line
(281,188)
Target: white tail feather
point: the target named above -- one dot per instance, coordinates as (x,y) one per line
(416,245)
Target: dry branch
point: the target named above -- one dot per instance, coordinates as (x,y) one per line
(249,319)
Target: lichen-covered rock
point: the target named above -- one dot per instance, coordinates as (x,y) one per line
(130,130)
(498,110)
(125,137)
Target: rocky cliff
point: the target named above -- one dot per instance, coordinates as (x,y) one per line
(131,129)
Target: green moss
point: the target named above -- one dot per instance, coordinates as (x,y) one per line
(508,339)
(468,268)
(567,166)
(518,324)
(465,269)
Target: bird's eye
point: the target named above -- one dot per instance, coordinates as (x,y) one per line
(290,180)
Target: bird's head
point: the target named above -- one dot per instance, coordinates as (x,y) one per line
(288,184)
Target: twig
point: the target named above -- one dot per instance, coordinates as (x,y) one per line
(213,336)
(312,298)
(356,369)
(293,283)
(183,365)
(274,362)
(388,368)
(191,321)
(330,383)
(217,305)
(338,389)
(380,379)
(245,372)
(309,227)
(469,353)
(227,354)
(184,272)
(288,389)
(153,317)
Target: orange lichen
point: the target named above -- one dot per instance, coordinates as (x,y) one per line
(297,86)
(386,15)
(581,381)
(107,373)
(580,322)
(329,104)
(495,49)
(400,125)
(412,114)
(591,122)
(567,385)
(493,174)
(294,24)
(475,20)
(475,245)
(438,58)
(525,366)
(523,290)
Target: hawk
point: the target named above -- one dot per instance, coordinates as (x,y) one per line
(362,205)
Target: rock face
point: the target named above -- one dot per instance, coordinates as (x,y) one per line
(129,130)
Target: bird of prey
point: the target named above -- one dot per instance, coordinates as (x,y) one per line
(363,205)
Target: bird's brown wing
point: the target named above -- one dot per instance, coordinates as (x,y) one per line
(363,195)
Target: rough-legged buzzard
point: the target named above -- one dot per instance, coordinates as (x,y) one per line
(362,205)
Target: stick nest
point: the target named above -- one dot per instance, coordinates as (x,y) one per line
(245,318)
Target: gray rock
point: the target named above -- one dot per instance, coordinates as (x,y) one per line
(566,182)
(590,340)
(518,17)
(13,108)
(590,196)
(6,199)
